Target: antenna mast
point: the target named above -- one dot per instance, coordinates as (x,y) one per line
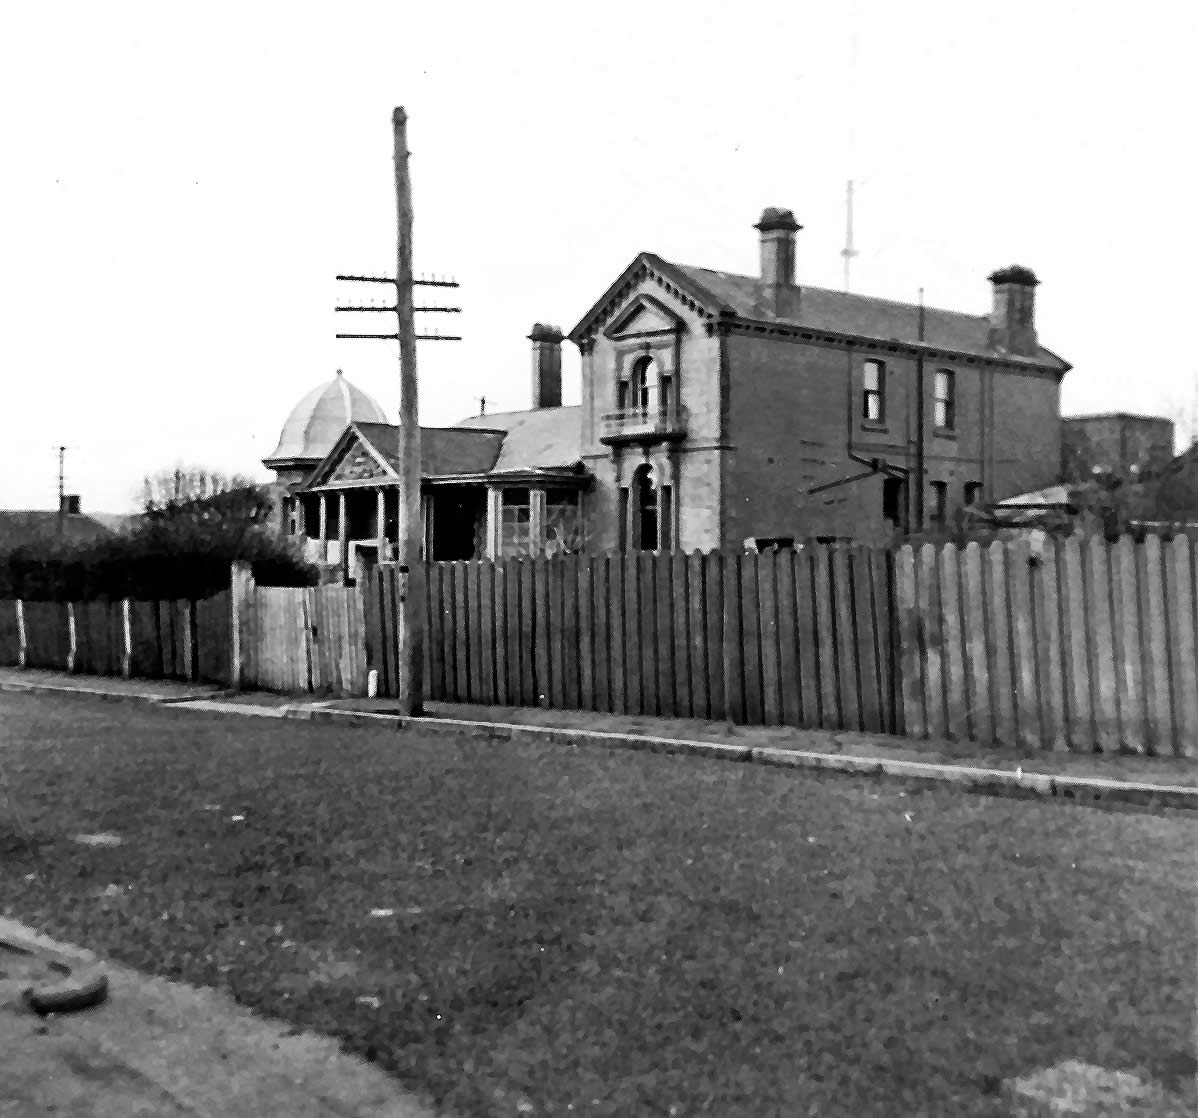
(62,450)
(848,252)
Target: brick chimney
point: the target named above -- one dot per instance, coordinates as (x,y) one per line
(1013,314)
(546,366)
(778,228)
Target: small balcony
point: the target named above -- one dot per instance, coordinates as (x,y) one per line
(641,425)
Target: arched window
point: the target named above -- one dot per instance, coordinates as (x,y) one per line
(642,385)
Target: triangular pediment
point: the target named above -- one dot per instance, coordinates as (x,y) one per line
(351,459)
(674,285)
(644,315)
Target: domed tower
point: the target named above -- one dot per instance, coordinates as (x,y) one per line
(315,424)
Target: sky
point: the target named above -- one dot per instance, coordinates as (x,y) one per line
(182,183)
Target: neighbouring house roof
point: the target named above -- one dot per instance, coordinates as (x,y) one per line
(539,439)
(24,526)
(726,295)
(545,440)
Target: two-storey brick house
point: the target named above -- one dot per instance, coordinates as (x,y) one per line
(719,408)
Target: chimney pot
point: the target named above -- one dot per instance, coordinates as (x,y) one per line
(546,365)
(1013,311)
(778,228)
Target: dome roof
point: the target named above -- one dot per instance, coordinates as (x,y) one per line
(318,420)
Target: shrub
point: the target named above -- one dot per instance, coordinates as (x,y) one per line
(160,560)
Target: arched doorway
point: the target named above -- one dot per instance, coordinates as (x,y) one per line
(644,510)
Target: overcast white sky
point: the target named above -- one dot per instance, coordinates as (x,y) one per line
(181,184)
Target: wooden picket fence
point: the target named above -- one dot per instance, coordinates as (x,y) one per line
(796,637)
(299,639)
(1074,644)
(183,639)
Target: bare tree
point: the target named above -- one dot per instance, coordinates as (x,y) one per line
(204,504)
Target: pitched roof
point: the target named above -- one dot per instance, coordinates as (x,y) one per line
(539,439)
(443,450)
(845,312)
(728,295)
(24,526)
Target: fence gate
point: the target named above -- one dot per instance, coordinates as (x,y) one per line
(305,639)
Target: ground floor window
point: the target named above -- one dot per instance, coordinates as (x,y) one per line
(894,500)
(939,501)
(515,536)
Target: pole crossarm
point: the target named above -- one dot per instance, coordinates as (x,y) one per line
(395,337)
(395,310)
(391,279)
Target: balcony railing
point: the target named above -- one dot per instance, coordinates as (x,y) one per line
(641,425)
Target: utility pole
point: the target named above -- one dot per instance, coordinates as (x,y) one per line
(411,527)
(410,531)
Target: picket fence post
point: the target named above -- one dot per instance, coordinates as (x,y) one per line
(126,640)
(241,591)
(21,641)
(71,646)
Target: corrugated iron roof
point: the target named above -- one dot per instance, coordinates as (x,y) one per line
(539,439)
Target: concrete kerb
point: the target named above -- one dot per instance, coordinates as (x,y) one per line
(995,782)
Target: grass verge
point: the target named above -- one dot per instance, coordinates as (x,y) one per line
(526,929)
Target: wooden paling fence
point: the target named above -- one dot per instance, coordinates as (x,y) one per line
(1074,644)
(157,640)
(797,637)
(300,639)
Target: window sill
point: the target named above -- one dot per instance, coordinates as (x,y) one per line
(872,425)
(945,433)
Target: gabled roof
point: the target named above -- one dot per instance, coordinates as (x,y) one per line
(444,451)
(705,300)
(539,439)
(730,296)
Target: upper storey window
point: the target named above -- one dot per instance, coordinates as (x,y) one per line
(873,403)
(945,400)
